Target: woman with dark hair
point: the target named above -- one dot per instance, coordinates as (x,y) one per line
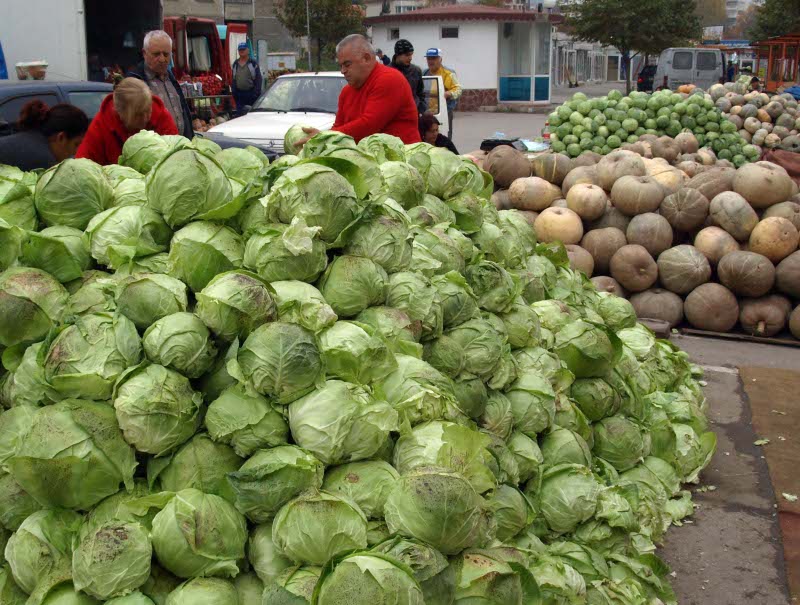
(45,137)
(429,131)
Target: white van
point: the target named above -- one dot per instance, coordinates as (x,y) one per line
(699,66)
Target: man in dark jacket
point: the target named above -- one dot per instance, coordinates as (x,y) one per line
(155,72)
(403,53)
(247,79)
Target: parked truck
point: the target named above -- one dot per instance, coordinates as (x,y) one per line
(76,39)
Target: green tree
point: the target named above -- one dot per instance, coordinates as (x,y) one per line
(633,26)
(776,18)
(330,20)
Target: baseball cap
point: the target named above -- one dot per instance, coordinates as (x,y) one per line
(243,45)
(433,52)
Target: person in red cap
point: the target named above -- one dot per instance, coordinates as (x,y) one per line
(376,99)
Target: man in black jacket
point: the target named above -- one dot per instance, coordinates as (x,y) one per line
(155,72)
(403,53)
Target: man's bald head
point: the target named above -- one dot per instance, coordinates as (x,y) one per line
(356,42)
(356,58)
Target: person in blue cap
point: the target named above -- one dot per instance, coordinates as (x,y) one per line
(452,89)
(247,79)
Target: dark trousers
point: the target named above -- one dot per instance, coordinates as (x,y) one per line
(242,98)
(450,123)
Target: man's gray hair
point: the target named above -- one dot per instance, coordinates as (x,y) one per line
(358,41)
(156,34)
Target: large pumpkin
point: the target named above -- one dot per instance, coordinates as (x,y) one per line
(731,211)
(775,237)
(715,243)
(552,167)
(634,195)
(650,230)
(763,184)
(657,303)
(634,268)
(506,165)
(618,164)
(682,268)
(713,182)
(746,273)
(685,210)
(532,193)
(711,307)
(602,244)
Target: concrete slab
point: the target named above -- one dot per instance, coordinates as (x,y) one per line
(731,553)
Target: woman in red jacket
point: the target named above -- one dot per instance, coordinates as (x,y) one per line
(128,110)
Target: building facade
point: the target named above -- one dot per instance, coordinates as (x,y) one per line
(208,9)
(501,55)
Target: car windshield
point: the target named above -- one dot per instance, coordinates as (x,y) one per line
(314,93)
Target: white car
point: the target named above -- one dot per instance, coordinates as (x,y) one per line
(305,98)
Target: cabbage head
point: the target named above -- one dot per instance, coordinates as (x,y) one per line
(444,444)
(497,418)
(414,294)
(385,147)
(71,193)
(403,183)
(494,576)
(63,252)
(340,422)
(245,421)
(187,185)
(134,598)
(87,357)
(199,463)
(143,150)
(459,303)
(563,446)
(235,303)
(353,283)
(112,560)
(522,325)
(417,390)
(317,526)
(182,342)
(533,403)
(382,235)
(11,240)
(351,352)
(432,211)
(264,557)
(588,350)
(199,534)
(25,384)
(271,478)
(32,302)
(96,295)
(301,303)
(242,164)
(448,174)
(293,586)
(279,360)
(116,173)
(527,454)
(286,252)
(367,578)
(204,591)
(435,252)
(16,202)
(595,397)
(291,138)
(435,575)
(367,483)
(439,507)
(317,194)
(157,408)
(395,327)
(495,287)
(568,496)
(72,455)
(144,298)
(123,233)
(617,313)
(620,442)
(468,209)
(201,250)
(472,348)
(41,546)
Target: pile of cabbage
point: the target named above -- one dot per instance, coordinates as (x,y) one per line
(603,124)
(342,377)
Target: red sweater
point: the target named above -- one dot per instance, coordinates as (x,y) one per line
(107,134)
(384,104)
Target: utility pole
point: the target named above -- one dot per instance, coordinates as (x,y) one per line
(308,34)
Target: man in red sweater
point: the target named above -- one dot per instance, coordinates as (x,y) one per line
(377,99)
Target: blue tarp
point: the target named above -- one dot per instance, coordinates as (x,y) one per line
(794,91)
(3,69)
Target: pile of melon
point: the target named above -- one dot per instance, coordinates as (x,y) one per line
(604,124)
(686,237)
(763,120)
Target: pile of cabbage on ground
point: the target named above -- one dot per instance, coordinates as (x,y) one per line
(343,378)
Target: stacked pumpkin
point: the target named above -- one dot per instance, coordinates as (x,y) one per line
(694,240)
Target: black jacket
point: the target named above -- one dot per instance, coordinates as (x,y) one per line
(414,76)
(139,72)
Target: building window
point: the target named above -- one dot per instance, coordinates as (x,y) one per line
(394,33)
(450,32)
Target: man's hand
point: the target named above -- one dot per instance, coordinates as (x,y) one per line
(311,132)
(448,94)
